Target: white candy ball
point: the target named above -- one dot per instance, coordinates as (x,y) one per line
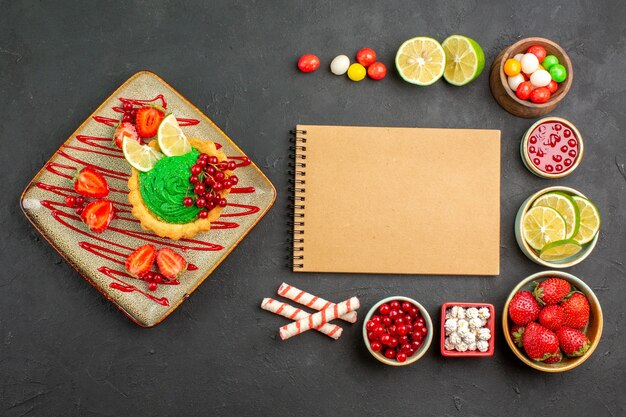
(540,78)
(518,57)
(530,63)
(515,80)
(340,64)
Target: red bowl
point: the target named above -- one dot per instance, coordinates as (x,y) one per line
(491,324)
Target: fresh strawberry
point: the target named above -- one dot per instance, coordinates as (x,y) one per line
(552,317)
(171,264)
(147,121)
(576,309)
(572,341)
(539,342)
(523,308)
(97,215)
(90,183)
(551,291)
(140,261)
(517,332)
(556,358)
(125,130)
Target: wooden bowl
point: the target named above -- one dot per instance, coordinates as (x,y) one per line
(593,329)
(506,97)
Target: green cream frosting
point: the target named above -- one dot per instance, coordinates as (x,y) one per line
(164,187)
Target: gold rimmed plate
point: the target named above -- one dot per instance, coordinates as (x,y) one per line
(100,257)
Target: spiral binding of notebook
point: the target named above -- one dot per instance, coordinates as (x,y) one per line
(297,198)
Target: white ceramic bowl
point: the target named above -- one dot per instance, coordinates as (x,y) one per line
(425,344)
(530,252)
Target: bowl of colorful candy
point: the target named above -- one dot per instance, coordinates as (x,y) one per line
(552,321)
(531,77)
(397,331)
(557,227)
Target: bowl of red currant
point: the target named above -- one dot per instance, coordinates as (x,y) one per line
(397,331)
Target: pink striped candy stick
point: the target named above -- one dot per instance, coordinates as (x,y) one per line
(285,310)
(319,318)
(312,301)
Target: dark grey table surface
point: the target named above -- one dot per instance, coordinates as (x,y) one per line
(66,351)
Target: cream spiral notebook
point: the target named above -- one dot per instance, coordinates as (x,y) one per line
(396,200)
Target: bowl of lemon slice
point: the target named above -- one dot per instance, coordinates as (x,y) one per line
(557,227)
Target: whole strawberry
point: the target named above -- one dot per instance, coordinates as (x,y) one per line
(552,317)
(517,332)
(556,358)
(539,342)
(572,341)
(523,308)
(551,291)
(576,309)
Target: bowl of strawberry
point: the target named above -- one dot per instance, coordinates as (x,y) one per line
(397,331)
(552,321)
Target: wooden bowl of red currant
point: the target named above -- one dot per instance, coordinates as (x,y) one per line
(397,331)
(531,77)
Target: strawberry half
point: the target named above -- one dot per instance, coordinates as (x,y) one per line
(97,215)
(90,183)
(125,130)
(140,261)
(171,264)
(148,120)
(572,341)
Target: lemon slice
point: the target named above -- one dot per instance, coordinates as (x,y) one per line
(566,207)
(589,220)
(543,225)
(421,60)
(141,157)
(171,138)
(465,60)
(560,250)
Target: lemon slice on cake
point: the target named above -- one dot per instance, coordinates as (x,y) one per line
(171,138)
(140,157)
(421,61)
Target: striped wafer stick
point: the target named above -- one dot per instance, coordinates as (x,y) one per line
(319,318)
(285,310)
(312,301)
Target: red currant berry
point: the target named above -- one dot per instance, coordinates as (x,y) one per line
(370,325)
(393,314)
(212,159)
(393,342)
(384,339)
(416,344)
(421,321)
(417,336)
(70,201)
(153,286)
(211,205)
(392,330)
(376,346)
(409,328)
(194,179)
(227,184)
(395,304)
(148,276)
(231,165)
(401,357)
(387,321)
(199,188)
(222,202)
(217,186)
(187,201)
(424,331)
(127,106)
(211,170)
(414,312)
(379,329)
(196,169)
(406,348)
(219,176)
(372,336)
(201,202)
(384,309)
(390,353)
(411,352)
(79,210)
(406,306)
(127,118)
(401,329)
(403,339)
(376,319)
(233,179)
(203,214)
(158,278)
